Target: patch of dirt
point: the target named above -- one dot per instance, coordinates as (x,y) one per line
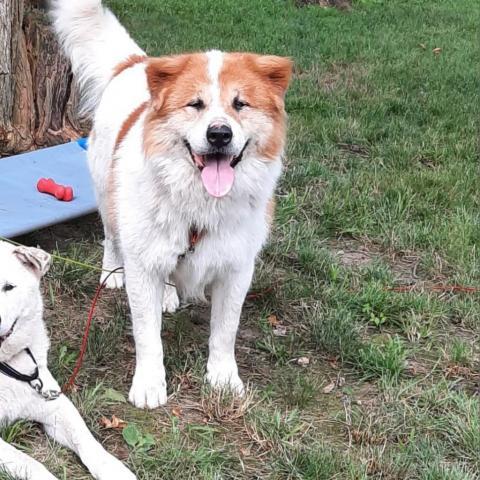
(354,149)
(336,76)
(342,75)
(427,161)
(408,272)
(340,4)
(354,258)
(59,236)
(405,267)
(353,254)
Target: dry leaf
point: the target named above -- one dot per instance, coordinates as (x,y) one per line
(333,362)
(303,361)
(416,368)
(105,422)
(115,423)
(245,452)
(329,388)
(272,320)
(437,50)
(176,412)
(185,381)
(422,45)
(340,381)
(121,452)
(455,371)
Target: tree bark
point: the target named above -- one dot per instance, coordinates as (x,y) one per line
(38,99)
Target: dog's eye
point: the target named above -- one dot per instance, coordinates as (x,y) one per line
(7,287)
(197,104)
(239,104)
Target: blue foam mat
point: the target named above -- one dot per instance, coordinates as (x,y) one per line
(24,209)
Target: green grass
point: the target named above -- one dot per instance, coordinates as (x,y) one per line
(378,209)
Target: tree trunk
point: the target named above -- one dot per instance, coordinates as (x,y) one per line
(38,98)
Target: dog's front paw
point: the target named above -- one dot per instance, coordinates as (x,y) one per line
(225,377)
(115,280)
(149,390)
(170,299)
(114,469)
(40,473)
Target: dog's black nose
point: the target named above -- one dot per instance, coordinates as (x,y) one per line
(219,135)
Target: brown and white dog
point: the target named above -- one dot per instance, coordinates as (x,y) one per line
(185,154)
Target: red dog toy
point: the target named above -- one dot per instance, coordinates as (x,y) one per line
(60,192)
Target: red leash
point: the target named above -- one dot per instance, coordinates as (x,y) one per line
(68,386)
(71,381)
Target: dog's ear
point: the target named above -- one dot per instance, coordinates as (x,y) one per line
(34,259)
(277,70)
(161,72)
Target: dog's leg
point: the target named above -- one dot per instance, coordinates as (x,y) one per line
(145,296)
(112,259)
(228,295)
(170,298)
(63,423)
(100,164)
(21,466)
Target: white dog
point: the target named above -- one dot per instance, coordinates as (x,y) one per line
(27,389)
(185,154)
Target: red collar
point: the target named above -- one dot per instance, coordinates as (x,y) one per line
(194,237)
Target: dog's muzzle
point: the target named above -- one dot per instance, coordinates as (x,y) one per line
(4,337)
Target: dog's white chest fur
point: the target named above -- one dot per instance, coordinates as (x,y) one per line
(157,201)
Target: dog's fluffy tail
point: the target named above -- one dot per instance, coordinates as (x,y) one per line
(95,43)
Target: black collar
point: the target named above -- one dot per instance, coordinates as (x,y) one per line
(9,371)
(33,380)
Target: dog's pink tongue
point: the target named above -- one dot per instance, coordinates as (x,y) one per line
(218,176)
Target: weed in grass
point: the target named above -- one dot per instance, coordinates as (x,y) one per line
(174,458)
(448,472)
(334,330)
(384,360)
(65,362)
(417,328)
(88,400)
(221,406)
(201,433)
(185,371)
(182,462)
(300,391)
(318,462)
(377,319)
(460,352)
(104,337)
(462,430)
(135,439)
(111,396)
(72,278)
(297,387)
(276,348)
(13,432)
(271,428)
